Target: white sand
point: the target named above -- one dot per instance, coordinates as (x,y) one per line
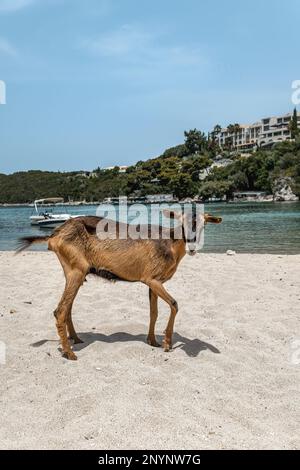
(230,382)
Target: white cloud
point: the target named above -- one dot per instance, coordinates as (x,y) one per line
(6,48)
(121,42)
(132,45)
(14,5)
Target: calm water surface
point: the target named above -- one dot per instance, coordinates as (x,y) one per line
(246,227)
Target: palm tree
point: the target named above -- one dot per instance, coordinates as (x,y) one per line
(212,137)
(237,130)
(217,130)
(231,130)
(234,130)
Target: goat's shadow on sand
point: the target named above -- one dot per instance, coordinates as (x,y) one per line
(192,347)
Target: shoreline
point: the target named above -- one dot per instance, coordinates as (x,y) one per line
(78,203)
(279,254)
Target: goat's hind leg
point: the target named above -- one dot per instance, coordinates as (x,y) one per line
(160,291)
(73,282)
(153,317)
(70,326)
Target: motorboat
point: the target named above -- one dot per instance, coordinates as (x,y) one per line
(44,216)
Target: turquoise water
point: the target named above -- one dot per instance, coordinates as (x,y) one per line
(246,227)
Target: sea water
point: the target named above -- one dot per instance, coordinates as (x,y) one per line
(246,228)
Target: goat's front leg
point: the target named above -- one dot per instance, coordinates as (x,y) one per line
(160,291)
(153,317)
(71,330)
(73,283)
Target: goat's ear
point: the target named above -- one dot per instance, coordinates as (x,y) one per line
(172,214)
(212,219)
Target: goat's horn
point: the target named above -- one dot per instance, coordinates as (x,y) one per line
(212,219)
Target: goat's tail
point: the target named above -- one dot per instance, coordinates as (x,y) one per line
(25,242)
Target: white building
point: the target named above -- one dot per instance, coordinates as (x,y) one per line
(159,198)
(122,168)
(218,163)
(263,133)
(276,129)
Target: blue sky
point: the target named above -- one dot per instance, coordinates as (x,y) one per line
(104,82)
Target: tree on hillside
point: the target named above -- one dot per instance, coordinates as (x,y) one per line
(234,130)
(195,165)
(195,141)
(216,131)
(237,130)
(293,125)
(217,189)
(177,151)
(182,186)
(230,140)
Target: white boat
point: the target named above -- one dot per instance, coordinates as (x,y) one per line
(45,217)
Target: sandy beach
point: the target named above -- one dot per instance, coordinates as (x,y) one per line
(232,380)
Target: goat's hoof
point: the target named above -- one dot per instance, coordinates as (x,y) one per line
(167,347)
(75,340)
(70,355)
(153,343)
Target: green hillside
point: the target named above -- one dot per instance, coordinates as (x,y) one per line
(176,171)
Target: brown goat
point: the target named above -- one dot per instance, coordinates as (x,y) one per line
(151,261)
